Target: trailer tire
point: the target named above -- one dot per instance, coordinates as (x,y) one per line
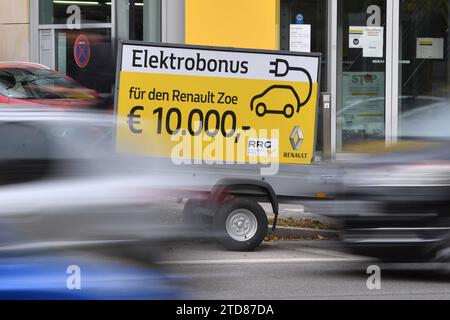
(240,225)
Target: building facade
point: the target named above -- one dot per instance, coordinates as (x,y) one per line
(382,60)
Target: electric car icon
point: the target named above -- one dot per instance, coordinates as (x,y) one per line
(280,68)
(288,97)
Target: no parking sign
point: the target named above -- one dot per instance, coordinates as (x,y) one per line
(82,51)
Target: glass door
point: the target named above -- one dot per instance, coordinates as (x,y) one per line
(361,74)
(424,69)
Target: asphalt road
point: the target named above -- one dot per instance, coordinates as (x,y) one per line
(296,270)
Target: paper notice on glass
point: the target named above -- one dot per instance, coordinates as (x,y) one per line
(373,42)
(430,48)
(356,35)
(300,37)
(363,96)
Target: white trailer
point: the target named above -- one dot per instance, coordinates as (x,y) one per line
(262,105)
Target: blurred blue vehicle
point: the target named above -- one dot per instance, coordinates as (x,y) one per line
(49,277)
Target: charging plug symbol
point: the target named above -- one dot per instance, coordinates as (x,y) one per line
(280,68)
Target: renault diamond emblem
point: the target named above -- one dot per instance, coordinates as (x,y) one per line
(296,138)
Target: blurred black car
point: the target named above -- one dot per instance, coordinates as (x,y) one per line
(396,206)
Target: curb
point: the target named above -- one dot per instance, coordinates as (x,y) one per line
(288,232)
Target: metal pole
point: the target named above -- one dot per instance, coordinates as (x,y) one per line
(132,20)
(326,126)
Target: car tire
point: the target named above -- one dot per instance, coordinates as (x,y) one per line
(261,109)
(240,225)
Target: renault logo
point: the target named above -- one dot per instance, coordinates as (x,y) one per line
(296,138)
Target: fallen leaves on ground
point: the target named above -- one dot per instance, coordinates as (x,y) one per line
(302,223)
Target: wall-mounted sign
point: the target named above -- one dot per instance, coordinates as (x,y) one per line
(299,19)
(300,37)
(430,48)
(216,96)
(82,51)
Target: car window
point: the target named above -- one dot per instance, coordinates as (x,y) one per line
(31,83)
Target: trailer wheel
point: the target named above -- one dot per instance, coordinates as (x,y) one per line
(240,225)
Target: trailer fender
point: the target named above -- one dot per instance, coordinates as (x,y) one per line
(231,185)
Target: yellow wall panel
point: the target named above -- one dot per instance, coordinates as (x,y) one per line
(16,11)
(14,42)
(233,23)
(14,30)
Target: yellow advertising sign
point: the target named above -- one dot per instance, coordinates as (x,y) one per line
(217,105)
